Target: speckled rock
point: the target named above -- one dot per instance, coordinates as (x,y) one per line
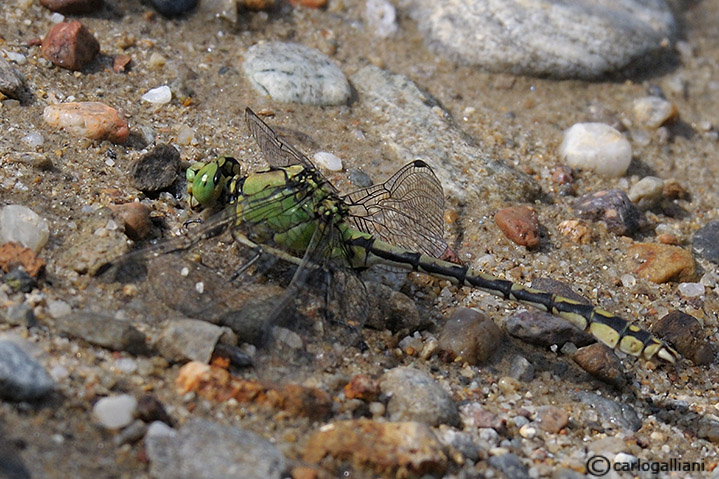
(601,362)
(156,169)
(413,125)
(613,207)
(103,331)
(415,396)
(661,263)
(520,224)
(70,45)
(616,413)
(705,241)
(14,256)
(546,37)
(385,448)
(11,82)
(552,418)
(201,448)
(22,378)
(596,147)
(654,111)
(685,333)
(521,369)
(469,336)
(294,73)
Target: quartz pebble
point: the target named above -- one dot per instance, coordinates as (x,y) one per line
(158,96)
(22,225)
(661,263)
(705,241)
(294,73)
(691,290)
(653,111)
(70,45)
(381,17)
(115,412)
(93,120)
(415,396)
(596,147)
(613,207)
(648,188)
(21,377)
(519,224)
(328,161)
(469,336)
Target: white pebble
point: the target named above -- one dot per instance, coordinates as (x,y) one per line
(377,409)
(126,365)
(21,224)
(527,431)
(653,111)
(597,147)
(648,188)
(18,58)
(381,17)
(328,161)
(628,281)
(159,429)
(691,290)
(33,139)
(159,96)
(115,412)
(186,136)
(58,308)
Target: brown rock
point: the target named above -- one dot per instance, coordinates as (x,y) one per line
(394,449)
(519,224)
(362,387)
(70,45)
(660,263)
(71,7)
(136,217)
(601,362)
(120,62)
(686,334)
(577,231)
(257,4)
(14,254)
(89,119)
(552,419)
(309,3)
(470,336)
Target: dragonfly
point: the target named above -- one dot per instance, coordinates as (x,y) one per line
(291,212)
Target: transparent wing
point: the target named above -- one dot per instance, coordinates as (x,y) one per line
(407,210)
(276,150)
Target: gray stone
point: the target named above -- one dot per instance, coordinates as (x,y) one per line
(21,377)
(103,331)
(191,339)
(510,465)
(207,450)
(470,335)
(156,169)
(415,396)
(521,369)
(558,38)
(11,82)
(412,124)
(619,414)
(705,242)
(294,73)
(538,327)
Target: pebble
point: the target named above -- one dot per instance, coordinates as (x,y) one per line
(101,330)
(72,7)
(415,396)
(660,263)
(470,336)
(11,82)
(18,315)
(328,161)
(89,119)
(601,362)
(161,95)
(691,290)
(22,225)
(150,409)
(482,418)
(613,207)
(687,335)
(22,378)
(362,387)
(359,178)
(58,308)
(136,218)
(412,125)
(389,309)
(519,224)
(13,256)
(596,147)
(551,285)
(705,242)
(521,369)
(577,231)
(649,188)
(294,73)
(70,45)
(156,169)
(121,62)
(552,419)
(546,37)
(190,339)
(510,465)
(401,449)
(617,413)
(172,8)
(206,449)
(36,160)
(381,18)
(300,3)
(131,434)
(654,111)
(544,329)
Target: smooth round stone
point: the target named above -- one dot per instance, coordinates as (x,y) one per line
(648,188)
(653,111)
(596,147)
(21,224)
(328,161)
(294,73)
(558,38)
(115,412)
(158,96)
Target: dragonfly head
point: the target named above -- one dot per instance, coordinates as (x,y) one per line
(206,181)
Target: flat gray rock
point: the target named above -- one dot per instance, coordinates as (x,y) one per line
(557,38)
(412,123)
(294,73)
(21,377)
(206,450)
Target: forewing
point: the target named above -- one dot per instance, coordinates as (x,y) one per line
(407,210)
(277,151)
